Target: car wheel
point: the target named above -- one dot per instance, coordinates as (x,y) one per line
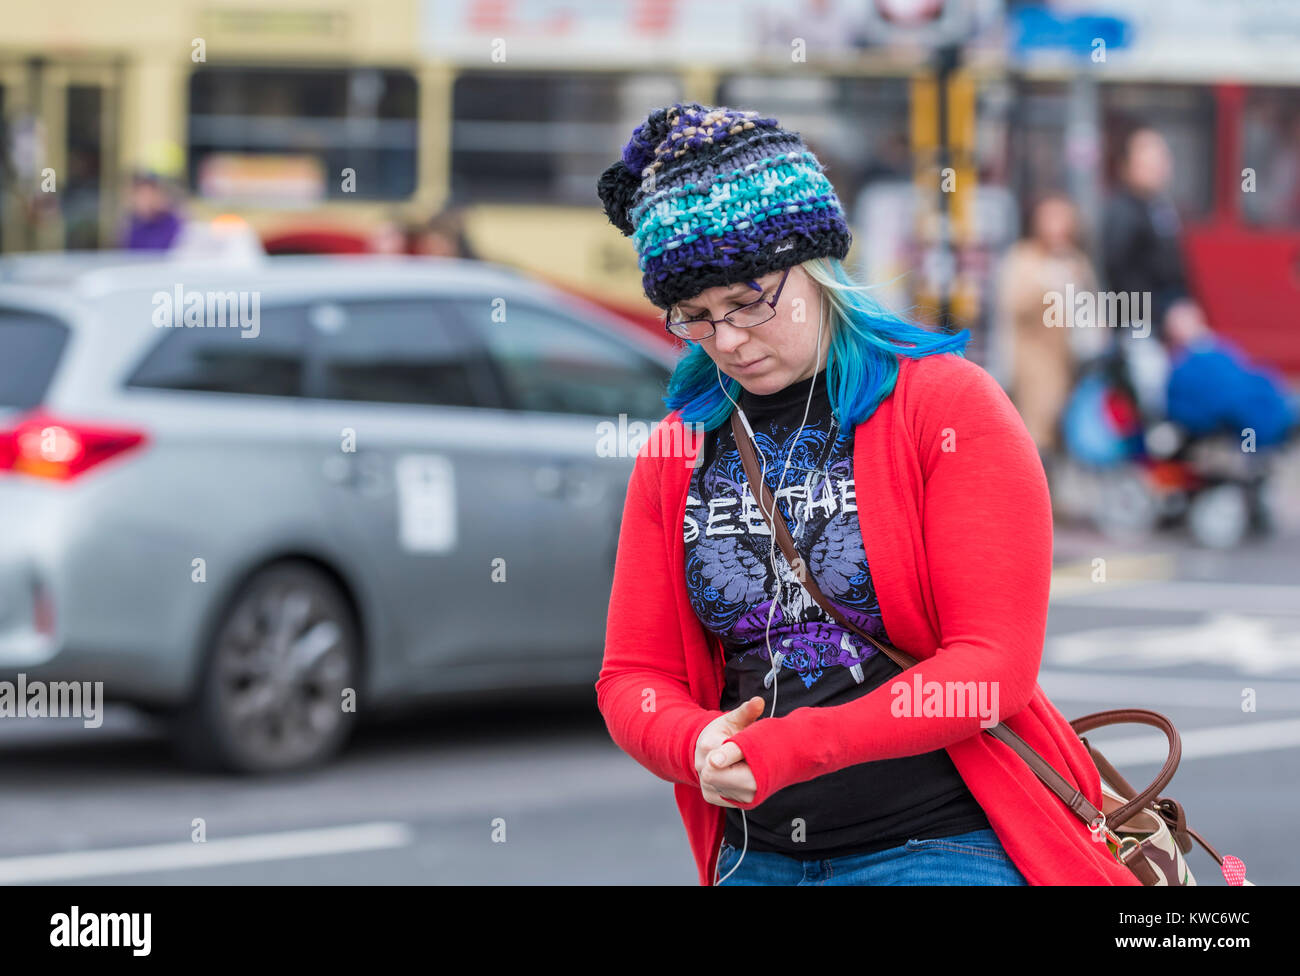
(270,694)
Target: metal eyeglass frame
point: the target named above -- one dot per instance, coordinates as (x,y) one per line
(770,302)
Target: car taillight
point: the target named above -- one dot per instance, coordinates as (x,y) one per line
(44,446)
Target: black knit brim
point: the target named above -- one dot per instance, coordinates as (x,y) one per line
(746,266)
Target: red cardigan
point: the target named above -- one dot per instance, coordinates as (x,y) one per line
(956,523)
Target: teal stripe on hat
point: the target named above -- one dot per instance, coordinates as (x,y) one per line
(733,204)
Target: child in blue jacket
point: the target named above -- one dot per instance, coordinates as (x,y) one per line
(1213,387)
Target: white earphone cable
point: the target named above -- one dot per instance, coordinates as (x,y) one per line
(774,659)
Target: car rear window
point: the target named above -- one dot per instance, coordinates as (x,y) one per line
(30,347)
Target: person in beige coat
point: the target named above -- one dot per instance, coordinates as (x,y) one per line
(1043,354)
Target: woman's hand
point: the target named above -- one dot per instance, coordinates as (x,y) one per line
(720,765)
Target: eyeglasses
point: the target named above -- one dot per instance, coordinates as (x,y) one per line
(745,317)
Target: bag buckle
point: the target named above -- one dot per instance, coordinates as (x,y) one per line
(1101,832)
(1122,849)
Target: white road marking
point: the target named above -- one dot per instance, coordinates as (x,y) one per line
(1249,645)
(1147,690)
(1220,740)
(1274,599)
(234,850)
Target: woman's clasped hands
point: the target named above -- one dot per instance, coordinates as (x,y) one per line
(724,774)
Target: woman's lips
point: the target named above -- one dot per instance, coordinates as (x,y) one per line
(751,364)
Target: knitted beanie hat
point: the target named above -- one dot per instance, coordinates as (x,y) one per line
(713,196)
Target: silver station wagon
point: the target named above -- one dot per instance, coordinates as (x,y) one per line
(260,500)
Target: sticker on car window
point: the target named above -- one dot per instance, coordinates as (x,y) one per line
(426,502)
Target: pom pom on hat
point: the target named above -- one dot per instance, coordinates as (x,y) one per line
(616,186)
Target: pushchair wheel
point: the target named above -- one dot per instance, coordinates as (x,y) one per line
(1220,516)
(1265,497)
(1125,507)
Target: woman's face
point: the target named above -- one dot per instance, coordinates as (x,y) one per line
(1054,224)
(780,351)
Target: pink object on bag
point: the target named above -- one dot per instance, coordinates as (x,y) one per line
(1234,869)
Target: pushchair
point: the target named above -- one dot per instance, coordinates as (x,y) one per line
(1141,470)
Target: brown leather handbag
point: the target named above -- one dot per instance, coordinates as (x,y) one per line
(1146,833)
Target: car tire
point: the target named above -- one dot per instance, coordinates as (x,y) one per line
(270,694)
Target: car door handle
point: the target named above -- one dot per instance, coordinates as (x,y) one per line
(358,471)
(585,485)
(578,483)
(549,480)
(340,469)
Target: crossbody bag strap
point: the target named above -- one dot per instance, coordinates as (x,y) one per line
(1074,799)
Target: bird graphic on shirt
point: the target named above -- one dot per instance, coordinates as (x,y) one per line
(728,573)
(723,578)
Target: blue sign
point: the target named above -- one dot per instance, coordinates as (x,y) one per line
(1034,28)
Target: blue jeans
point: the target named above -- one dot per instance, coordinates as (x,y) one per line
(974,858)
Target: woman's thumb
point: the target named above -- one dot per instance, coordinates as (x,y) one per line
(746,713)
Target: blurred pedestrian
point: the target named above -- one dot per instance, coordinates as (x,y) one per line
(1141,230)
(153,218)
(388,237)
(442,236)
(1035,271)
(755,682)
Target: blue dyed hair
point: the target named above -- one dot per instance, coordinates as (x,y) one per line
(861,364)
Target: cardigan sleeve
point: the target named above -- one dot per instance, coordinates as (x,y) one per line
(987,531)
(642,690)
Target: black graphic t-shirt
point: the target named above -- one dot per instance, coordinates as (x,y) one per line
(729,576)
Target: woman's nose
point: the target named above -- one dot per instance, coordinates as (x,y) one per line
(726,337)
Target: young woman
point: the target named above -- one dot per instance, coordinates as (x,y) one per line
(914,494)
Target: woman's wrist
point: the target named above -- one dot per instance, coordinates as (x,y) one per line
(750,742)
(706,717)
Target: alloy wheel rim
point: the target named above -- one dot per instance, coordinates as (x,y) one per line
(282,665)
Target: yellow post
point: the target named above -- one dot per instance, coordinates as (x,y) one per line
(962,108)
(924,128)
